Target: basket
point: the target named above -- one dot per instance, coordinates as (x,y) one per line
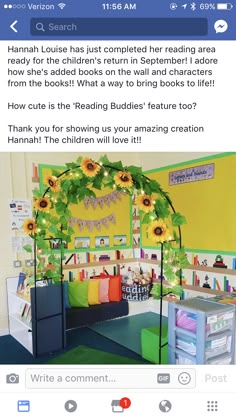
(136,292)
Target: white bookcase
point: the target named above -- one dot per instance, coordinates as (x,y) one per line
(38,321)
(19,322)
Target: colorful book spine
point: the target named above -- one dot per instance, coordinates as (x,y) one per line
(196,280)
(226,282)
(71,276)
(218,285)
(142,253)
(195,260)
(214,283)
(234,264)
(117,254)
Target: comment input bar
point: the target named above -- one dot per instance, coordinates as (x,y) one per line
(110,378)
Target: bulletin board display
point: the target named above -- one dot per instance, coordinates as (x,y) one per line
(208,203)
(102,222)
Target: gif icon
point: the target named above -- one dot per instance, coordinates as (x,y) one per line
(163,378)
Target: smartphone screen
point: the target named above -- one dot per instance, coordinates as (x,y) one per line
(118,256)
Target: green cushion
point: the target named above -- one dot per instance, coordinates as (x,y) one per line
(78,294)
(150,344)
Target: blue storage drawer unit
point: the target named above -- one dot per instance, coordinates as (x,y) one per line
(201,332)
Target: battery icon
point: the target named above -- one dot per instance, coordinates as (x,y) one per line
(224,6)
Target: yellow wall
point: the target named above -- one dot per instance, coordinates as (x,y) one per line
(208,205)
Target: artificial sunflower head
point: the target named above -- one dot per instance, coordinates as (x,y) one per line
(53,183)
(89,167)
(42,204)
(145,203)
(123,179)
(30,226)
(158,231)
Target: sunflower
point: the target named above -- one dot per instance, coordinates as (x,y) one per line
(89,167)
(158,231)
(53,183)
(123,179)
(30,226)
(145,203)
(42,204)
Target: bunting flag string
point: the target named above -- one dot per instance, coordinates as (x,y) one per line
(105,221)
(112,197)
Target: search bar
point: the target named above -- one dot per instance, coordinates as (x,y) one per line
(119,27)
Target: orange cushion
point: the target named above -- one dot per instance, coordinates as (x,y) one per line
(114,293)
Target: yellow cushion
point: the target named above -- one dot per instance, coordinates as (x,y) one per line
(93,292)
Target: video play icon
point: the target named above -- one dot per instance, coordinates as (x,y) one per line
(70,406)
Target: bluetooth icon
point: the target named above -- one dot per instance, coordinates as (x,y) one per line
(193,6)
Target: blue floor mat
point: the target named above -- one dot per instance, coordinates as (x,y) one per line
(13,353)
(127,331)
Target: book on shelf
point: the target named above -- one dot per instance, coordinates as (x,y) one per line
(117,254)
(26,311)
(20,284)
(28,317)
(21,309)
(104,258)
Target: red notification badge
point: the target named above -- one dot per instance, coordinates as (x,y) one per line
(125,402)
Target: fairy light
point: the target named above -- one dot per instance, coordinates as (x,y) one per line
(105,173)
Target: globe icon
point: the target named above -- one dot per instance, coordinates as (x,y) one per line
(165,406)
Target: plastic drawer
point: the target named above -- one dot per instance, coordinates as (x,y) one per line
(216,347)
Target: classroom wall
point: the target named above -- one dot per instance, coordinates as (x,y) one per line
(16,183)
(208,204)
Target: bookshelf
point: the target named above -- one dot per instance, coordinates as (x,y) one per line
(99,263)
(19,312)
(37,321)
(208,269)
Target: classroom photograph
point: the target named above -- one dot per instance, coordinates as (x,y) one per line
(118,258)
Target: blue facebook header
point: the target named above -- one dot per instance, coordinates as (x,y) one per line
(95,19)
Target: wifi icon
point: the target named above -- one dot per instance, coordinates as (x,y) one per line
(61,5)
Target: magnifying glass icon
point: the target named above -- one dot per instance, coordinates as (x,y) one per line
(39,26)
